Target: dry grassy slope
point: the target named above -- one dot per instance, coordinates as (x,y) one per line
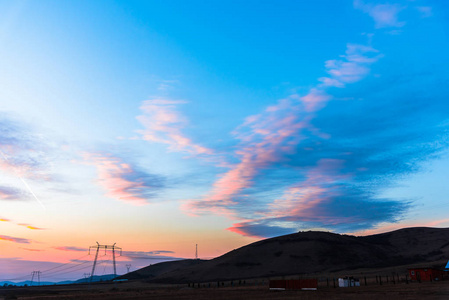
(430,243)
(311,252)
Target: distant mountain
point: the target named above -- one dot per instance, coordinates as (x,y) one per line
(26,282)
(308,252)
(96,278)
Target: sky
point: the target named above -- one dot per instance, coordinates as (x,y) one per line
(162,125)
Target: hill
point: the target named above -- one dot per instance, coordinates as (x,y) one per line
(311,252)
(153,271)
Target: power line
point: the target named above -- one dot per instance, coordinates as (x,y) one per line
(63,271)
(64,263)
(52,271)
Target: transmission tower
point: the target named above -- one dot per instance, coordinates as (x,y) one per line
(128,266)
(86,276)
(38,276)
(105,247)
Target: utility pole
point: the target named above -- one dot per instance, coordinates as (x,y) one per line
(38,276)
(105,247)
(128,266)
(196,251)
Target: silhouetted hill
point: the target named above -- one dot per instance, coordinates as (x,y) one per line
(153,271)
(311,252)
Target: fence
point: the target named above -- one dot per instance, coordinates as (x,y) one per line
(322,282)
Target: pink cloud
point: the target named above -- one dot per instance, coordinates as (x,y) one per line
(315,100)
(119,179)
(302,197)
(163,124)
(239,228)
(331,82)
(23,162)
(346,71)
(354,66)
(19,169)
(14,239)
(32,250)
(384,15)
(300,201)
(268,137)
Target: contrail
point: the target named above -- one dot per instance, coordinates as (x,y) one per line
(24,182)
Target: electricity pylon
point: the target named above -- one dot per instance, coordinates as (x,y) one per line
(128,266)
(98,246)
(38,275)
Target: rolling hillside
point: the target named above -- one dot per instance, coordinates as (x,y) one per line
(311,252)
(153,271)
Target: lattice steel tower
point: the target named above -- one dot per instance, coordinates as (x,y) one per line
(106,247)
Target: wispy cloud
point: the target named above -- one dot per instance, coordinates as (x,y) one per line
(164,85)
(123,181)
(269,137)
(322,159)
(353,66)
(14,239)
(161,255)
(384,15)
(21,153)
(327,199)
(426,11)
(32,250)
(10,193)
(30,226)
(70,248)
(163,123)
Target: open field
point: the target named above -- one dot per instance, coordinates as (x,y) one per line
(140,290)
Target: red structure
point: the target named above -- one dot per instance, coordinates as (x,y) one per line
(426,274)
(293,284)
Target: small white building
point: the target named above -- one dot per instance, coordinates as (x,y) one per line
(348,282)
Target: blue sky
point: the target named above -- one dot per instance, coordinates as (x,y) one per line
(160,125)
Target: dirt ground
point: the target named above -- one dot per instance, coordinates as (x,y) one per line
(138,290)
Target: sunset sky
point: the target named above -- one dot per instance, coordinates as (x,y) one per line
(159,125)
